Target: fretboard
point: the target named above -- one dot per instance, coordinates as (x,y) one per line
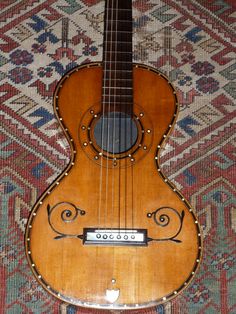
(117,55)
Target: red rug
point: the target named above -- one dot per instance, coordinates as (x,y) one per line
(192,43)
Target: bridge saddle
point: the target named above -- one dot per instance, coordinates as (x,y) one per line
(118,237)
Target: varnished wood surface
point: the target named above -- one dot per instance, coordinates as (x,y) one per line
(113,197)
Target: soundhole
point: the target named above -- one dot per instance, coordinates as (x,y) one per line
(115,132)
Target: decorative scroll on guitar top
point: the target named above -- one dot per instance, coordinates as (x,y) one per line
(171,222)
(63,219)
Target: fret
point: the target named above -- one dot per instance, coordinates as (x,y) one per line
(118,52)
(117,95)
(114,45)
(119,65)
(117,16)
(118,102)
(118,41)
(118,37)
(117,62)
(114,87)
(115,21)
(124,71)
(123,4)
(118,71)
(117,99)
(116,48)
(108,69)
(114,34)
(123,32)
(119,9)
(122,75)
(117,74)
(118,82)
(121,79)
(126,65)
(121,83)
(112,40)
(118,106)
(117,56)
(124,95)
(118,27)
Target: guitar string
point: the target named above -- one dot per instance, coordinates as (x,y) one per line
(132,118)
(126,132)
(102,137)
(114,113)
(119,165)
(130,112)
(119,173)
(126,119)
(136,264)
(109,62)
(114,126)
(110,96)
(103,112)
(128,124)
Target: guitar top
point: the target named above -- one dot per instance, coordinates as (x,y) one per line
(112,232)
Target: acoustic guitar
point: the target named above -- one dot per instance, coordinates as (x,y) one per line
(112,232)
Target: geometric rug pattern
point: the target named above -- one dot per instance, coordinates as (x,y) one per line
(193,43)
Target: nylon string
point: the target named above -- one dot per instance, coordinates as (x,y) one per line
(109,107)
(103,113)
(114,114)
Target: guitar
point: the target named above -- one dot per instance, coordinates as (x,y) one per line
(112,232)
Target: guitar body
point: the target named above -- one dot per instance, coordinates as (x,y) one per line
(127,193)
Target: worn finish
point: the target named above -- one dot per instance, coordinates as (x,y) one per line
(124,194)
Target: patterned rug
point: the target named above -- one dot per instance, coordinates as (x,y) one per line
(189,40)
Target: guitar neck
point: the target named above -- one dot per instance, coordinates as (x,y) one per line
(117,54)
